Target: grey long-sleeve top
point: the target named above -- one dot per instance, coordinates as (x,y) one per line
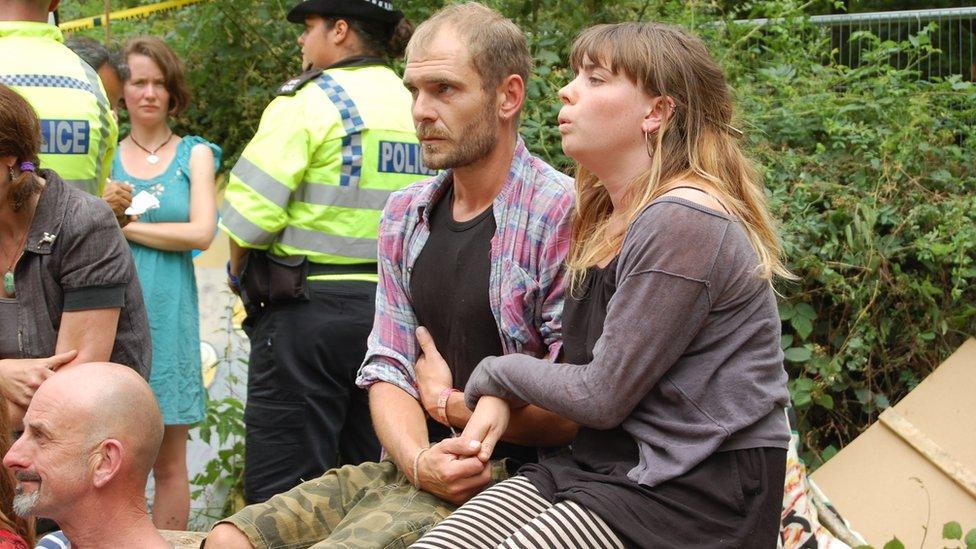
(689,362)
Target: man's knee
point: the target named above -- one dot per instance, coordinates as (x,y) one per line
(227,536)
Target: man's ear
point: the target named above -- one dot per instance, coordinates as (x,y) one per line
(511,96)
(106,462)
(660,109)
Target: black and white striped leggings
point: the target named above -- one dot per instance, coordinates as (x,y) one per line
(513,515)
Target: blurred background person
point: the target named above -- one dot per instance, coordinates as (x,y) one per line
(179,172)
(112,72)
(69,291)
(108,63)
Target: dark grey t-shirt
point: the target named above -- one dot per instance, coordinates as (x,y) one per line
(8,328)
(75,259)
(689,362)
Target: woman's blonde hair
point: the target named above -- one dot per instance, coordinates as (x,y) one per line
(696,141)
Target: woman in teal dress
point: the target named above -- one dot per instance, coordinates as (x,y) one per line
(179,172)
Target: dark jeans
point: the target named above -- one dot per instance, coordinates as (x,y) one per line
(304,415)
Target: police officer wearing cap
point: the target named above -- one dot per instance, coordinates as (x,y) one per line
(302,210)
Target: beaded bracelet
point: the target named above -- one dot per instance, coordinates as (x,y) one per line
(442,404)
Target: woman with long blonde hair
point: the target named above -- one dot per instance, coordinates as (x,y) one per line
(672,360)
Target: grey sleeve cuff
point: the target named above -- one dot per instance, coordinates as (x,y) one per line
(485,380)
(95,297)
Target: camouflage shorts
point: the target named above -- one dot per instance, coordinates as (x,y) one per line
(368,506)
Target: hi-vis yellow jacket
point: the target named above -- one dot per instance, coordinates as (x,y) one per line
(329,151)
(80,133)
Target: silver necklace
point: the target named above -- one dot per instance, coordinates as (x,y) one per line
(153,158)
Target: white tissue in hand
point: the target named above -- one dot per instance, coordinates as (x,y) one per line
(142,202)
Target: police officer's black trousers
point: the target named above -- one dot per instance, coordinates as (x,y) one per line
(304,414)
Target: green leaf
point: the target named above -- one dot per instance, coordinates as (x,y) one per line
(952,530)
(802,325)
(785,341)
(797,354)
(825,401)
(970,538)
(894,544)
(785,311)
(806,311)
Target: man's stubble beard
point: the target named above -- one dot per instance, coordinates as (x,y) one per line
(475,141)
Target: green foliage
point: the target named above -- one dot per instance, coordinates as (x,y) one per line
(870,169)
(225,419)
(894,544)
(951,531)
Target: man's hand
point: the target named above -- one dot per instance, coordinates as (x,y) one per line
(432,373)
(451,471)
(487,424)
(20,378)
(119,197)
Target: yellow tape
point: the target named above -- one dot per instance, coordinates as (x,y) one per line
(130,13)
(339,277)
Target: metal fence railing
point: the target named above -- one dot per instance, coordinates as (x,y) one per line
(954,36)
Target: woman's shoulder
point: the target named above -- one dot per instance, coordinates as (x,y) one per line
(677,216)
(191,145)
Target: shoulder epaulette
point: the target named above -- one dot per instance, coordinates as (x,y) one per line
(295,84)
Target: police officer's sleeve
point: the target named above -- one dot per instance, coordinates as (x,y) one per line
(269,170)
(111,144)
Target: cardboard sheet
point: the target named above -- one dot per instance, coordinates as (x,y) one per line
(885,487)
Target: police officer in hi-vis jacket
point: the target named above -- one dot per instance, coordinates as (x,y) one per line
(302,211)
(79,130)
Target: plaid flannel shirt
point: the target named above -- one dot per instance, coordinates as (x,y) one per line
(527,279)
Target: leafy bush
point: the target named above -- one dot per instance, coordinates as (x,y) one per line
(870,169)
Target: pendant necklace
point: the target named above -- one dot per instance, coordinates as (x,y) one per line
(8,276)
(153,158)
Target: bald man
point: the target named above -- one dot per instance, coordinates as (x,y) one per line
(91,435)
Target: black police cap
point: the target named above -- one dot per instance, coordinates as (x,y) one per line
(371,10)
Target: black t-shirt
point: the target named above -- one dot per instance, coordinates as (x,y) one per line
(449,291)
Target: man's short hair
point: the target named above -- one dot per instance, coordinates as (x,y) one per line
(96,54)
(496,45)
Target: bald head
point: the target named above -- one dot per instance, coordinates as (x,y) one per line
(112,401)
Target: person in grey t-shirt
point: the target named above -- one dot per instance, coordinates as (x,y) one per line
(671,327)
(69,291)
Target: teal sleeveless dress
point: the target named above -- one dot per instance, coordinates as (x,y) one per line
(170,291)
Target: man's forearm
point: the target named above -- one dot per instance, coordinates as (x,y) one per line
(399,422)
(528,426)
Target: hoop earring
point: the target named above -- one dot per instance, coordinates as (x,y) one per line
(647,144)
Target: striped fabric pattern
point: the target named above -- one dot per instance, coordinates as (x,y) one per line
(513,515)
(45,81)
(352,143)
